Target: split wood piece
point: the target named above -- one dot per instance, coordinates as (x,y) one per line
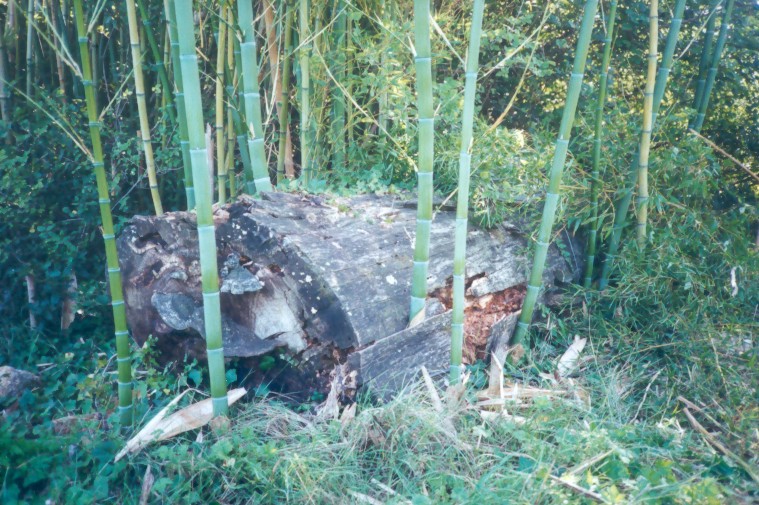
(322,281)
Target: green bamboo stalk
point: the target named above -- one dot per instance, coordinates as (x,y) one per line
(160,68)
(306,133)
(706,52)
(623,204)
(338,99)
(231,79)
(239,122)
(645,134)
(711,76)
(184,141)
(142,109)
(123,359)
(203,196)
(30,10)
(286,74)
(426,119)
(462,203)
(662,74)
(595,176)
(557,168)
(4,95)
(348,48)
(252,98)
(221,162)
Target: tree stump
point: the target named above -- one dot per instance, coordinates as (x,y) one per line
(309,282)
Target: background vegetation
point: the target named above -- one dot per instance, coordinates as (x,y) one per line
(670,324)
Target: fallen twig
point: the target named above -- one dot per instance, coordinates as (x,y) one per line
(578,489)
(726,154)
(718,445)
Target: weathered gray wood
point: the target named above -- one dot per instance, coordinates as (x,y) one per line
(302,271)
(392,362)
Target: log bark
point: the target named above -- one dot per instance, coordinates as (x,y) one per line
(311,282)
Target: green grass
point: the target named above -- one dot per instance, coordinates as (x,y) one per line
(632,444)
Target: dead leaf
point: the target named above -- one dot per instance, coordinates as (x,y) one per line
(147,486)
(349,413)
(568,360)
(495,380)
(189,418)
(418,318)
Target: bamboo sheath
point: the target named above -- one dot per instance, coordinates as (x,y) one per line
(123,355)
(203,195)
(595,177)
(462,203)
(426,119)
(557,168)
(142,109)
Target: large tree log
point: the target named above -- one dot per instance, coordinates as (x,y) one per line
(313,282)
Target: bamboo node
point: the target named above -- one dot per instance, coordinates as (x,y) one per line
(214,352)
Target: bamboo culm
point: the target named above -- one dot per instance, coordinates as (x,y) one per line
(123,354)
(252,98)
(221,162)
(706,52)
(623,204)
(306,132)
(203,196)
(160,67)
(426,127)
(595,177)
(338,61)
(557,168)
(662,74)
(142,109)
(184,141)
(462,203)
(719,47)
(239,121)
(285,105)
(645,134)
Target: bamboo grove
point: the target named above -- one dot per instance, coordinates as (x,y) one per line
(260,96)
